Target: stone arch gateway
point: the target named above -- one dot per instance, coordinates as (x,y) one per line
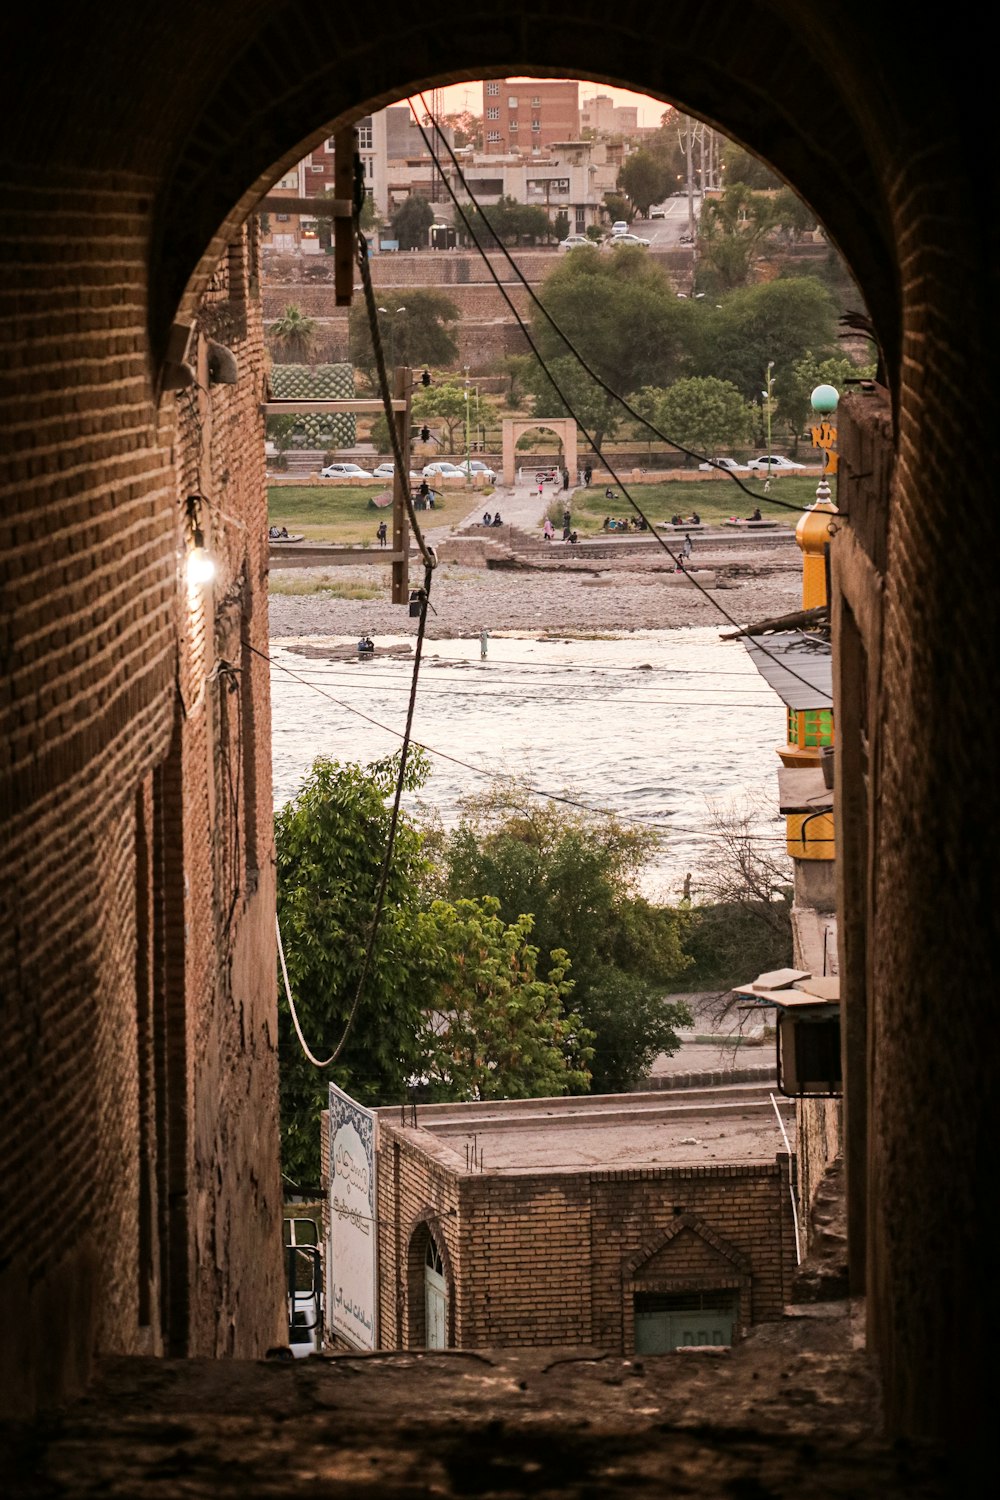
(515,427)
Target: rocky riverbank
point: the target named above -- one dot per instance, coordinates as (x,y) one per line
(576,600)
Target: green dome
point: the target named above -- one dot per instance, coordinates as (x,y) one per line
(824,399)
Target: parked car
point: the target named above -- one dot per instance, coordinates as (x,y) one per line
(723,463)
(658,212)
(619,227)
(628,239)
(476,466)
(345,471)
(443,470)
(774,463)
(388,471)
(572,241)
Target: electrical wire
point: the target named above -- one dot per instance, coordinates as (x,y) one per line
(615,396)
(376,921)
(660,541)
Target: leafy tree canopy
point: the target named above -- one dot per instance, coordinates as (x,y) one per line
(419,335)
(703,413)
(293,335)
(498,1030)
(645,179)
(621,312)
(577,876)
(781,320)
(796,386)
(741,166)
(730,234)
(411,221)
(329,845)
(447,401)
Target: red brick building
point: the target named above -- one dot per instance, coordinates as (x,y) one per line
(522,114)
(625,1222)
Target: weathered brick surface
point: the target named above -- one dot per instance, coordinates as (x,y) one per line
(554,1258)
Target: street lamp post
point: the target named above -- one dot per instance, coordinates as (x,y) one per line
(391,315)
(767,394)
(468,449)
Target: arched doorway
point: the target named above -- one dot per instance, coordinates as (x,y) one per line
(515,427)
(429,1289)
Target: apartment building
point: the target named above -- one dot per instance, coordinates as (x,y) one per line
(523,114)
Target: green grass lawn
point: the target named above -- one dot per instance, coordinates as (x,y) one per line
(715,500)
(341,513)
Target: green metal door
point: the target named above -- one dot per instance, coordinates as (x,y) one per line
(665,1321)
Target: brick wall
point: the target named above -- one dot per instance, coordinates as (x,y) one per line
(139,1077)
(555,1258)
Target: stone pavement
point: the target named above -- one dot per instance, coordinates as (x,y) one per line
(791,1413)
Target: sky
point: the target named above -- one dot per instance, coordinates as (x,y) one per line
(459,96)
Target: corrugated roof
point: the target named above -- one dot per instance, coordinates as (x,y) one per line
(798,666)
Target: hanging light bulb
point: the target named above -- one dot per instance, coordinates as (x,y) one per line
(200,562)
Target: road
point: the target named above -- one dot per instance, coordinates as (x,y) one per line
(665,233)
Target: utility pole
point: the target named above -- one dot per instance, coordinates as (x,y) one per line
(468,448)
(401,390)
(690,177)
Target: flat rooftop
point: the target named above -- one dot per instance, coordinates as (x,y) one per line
(688,1128)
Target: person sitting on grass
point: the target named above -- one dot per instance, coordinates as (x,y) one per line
(756,514)
(695,518)
(676,521)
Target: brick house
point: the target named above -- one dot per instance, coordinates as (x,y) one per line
(624,1222)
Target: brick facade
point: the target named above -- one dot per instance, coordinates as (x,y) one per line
(556,1258)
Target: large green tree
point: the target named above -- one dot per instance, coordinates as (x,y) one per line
(730,235)
(564,385)
(622,313)
(499,1029)
(577,876)
(780,320)
(645,179)
(701,412)
(329,844)
(446,402)
(418,334)
(796,385)
(411,221)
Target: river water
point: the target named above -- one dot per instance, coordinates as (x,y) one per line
(658,726)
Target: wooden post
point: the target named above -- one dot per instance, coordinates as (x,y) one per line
(401,385)
(344,147)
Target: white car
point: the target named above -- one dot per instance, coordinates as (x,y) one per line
(443,470)
(388,471)
(729,464)
(619,227)
(574,241)
(628,239)
(476,466)
(344,471)
(774,463)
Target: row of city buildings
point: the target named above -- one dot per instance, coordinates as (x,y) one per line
(540,146)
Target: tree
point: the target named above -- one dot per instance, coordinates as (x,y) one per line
(744,926)
(420,334)
(598,413)
(622,313)
(293,336)
(510,222)
(576,875)
(797,385)
(561,224)
(411,221)
(792,214)
(730,233)
(779,320)
(740,165)
(329,844)
(617,206)
(448,403)
(701,412)
(498,1029)
(644,179)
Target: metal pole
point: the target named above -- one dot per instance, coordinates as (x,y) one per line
(401,387)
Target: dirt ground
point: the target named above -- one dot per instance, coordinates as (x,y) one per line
(577,599)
